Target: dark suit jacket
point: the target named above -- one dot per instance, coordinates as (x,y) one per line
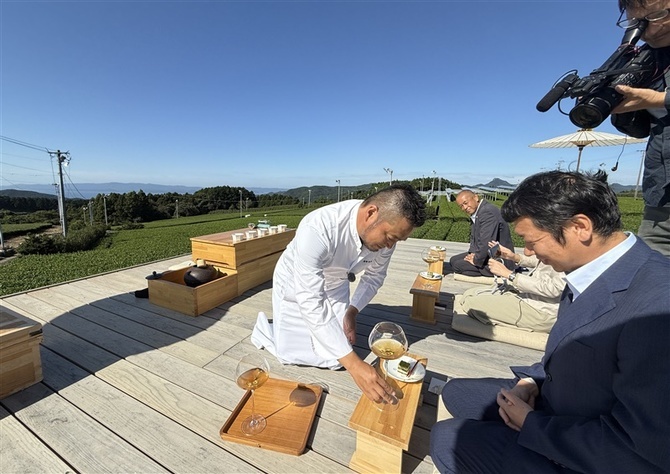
(488,226)
(605,377)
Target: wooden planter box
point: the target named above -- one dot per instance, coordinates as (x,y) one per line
(20,362)
(170,291)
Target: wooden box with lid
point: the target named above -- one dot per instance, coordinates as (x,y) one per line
(20,362)
(170,291)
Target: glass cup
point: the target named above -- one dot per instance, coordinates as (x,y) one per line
(252,372)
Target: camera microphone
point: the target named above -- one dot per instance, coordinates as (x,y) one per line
(556,92)
(616,166)
(633,34)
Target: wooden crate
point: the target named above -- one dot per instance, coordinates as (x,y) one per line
(170,291)
(254,273)
(220,249)
(20,362)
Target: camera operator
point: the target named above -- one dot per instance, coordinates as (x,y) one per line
(646,112)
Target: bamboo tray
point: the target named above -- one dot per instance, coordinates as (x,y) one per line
(289,408)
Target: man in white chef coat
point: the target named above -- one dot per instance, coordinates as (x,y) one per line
(314,318)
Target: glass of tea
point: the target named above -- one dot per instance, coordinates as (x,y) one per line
(388,341)
(252,372)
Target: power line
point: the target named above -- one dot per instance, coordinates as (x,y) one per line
(25,144)
(73,185)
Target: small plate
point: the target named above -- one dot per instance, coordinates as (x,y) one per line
(391,368)
(431,275)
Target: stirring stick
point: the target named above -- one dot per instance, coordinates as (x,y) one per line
(411,369)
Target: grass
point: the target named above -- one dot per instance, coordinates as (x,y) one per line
(165,239)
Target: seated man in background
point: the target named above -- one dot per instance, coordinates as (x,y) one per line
(598,400)
(486,224)
(523,300)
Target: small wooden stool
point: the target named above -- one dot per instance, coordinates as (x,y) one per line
(425,294)
(381,437)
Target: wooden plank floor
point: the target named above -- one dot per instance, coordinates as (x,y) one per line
(132,387)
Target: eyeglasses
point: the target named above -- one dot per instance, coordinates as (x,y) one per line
(627,23)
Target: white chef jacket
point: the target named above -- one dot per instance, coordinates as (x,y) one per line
(310,291)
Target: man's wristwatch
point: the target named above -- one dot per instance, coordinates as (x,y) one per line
(511,276)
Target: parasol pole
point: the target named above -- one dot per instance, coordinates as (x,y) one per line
(579,156)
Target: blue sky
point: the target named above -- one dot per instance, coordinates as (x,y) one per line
(295,93)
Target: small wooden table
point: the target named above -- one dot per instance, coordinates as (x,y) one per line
(425,294)
(381,436)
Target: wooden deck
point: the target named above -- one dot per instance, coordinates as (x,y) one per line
(132,387)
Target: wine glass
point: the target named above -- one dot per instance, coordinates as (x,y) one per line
(252,371)
(387,341)
(431,255)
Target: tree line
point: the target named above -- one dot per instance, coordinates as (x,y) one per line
(138,206)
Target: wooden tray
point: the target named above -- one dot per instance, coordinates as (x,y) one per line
(289,408)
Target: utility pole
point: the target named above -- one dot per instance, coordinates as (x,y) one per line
(309,197)
(390,172)
(639,173)
(90,210)
(176,208)
(61,157)
(2,243)
(338,189)
(104,204)
(240,203)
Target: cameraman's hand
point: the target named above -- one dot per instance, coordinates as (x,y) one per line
(638,99)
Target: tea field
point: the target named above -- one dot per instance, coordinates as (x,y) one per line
(164,239)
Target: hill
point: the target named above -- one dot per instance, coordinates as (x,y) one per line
(90,190)
(494,183)
(18,193)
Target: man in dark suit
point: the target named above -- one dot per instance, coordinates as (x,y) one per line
(598,400)
(486,225)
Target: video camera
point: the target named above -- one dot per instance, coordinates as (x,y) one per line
(595,93)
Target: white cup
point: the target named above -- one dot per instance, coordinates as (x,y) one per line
(238,237)
(251,234)
(272,229)
(281,228)
(262,232)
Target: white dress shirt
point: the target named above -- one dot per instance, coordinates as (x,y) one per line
(580,279)
(311,287)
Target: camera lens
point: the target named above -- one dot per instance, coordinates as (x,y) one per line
(592,112)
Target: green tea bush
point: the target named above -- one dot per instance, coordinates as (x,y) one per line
(85,239)
(81,239)
(41,244)
(440,230)
(419,232)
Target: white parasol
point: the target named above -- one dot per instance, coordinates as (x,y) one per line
(586,137)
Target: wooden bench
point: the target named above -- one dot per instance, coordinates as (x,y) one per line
(425,294)
(381,436)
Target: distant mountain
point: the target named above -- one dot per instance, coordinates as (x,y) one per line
(259,191)
(494,183)
(18,193)
(618,188)
(90,190)
(330,192)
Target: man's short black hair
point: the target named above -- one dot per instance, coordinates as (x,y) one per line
(399,200)
(553,198)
